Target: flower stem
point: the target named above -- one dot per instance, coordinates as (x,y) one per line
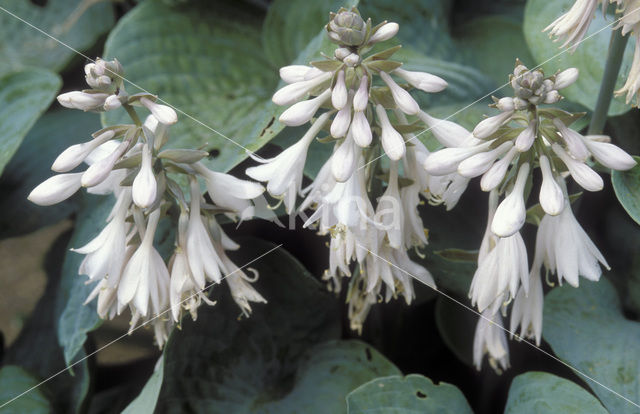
(617,45)
(132,113)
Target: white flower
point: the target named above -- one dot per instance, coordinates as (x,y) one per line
(567,249)
(201,254)
(291,93)
(632,85)
(526,137)
(55,189)
(341,122)
(609,155)
(386,32)
(283,173)
(402,98)
(82,100)
(302,112)
(361,98)
(573,25)
(499,274)
(99,170)
(566,78)
(491,339)
(389,211)
(105,254)
(344,160)
(422,80)
(75,154)
(298,73)
(145,276)
(488,126)
(145,187)
(478,164)
(360,129)
(446,132)
(581,173)
(551,195)
(112,102)
(392,142)
(163,113)
(505,104)
(238,282)
(230,192)
(511,212)
(446,161)
(494,176)
(339,94)
(573,140)
(527,309)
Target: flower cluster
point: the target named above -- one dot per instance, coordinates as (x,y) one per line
(572,26)
(504,150)
(359,100)
(129,161)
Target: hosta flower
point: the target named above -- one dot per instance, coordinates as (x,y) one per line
(490,339)
(56,189)
(572,26)
(528,306)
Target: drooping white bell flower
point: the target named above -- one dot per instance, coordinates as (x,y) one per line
(511,212)
(389,212)
(572,26)
(490,339)
(527,308)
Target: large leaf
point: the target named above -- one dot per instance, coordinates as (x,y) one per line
(207,60)
(146,401)
(585,328)
(627,187)
(589,58)
(76,319)
(69,21)
(228,365)
(454,324)
(407,395)
(23,97)
(13,382)
(31,165)
(540,392)
(494,42)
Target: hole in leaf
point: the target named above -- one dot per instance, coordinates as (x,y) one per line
(267,127)
(367,351)
(39,3)
(214,152)
(421,394)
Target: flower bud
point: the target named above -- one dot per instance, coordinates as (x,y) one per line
(446,132)
(494,176)
(566,78)
(402,98)
(82,100)
(581,173)
(163,113)
(99,171)
(145,187)
(298,73)
(341,53)
(610,155)
(574,141)
(490,125)
(347,28)
(352,60)
(55,189)
(343,162)
(291,93)
(392,142)
(386,32)
(340,124)
(75,154)
(361,98)
(112,102)
(302,112)
(339,92)
(525,139)
(551,195)
(478,164)
(360,130)
(511,213)
(505,104)
(552,97)
(422,80)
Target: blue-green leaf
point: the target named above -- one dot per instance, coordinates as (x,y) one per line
(407,395)
(13,382)
(540,392)
(626,184)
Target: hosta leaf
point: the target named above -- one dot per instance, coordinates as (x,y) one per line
(14,381)
(54,131)
(407,395)
(23,98)
(589,58)
(627,187)
(586,328)
(69,21)
(540,392)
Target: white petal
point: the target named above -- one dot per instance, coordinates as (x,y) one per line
(490,125)
(392,142)
(422,80)
(145,187)
(511,212)
(402,98)
(339,93)
(360,130)
(55,189)
(163,113)
(361,98)
(302,112)
(447,133)
(551,195)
